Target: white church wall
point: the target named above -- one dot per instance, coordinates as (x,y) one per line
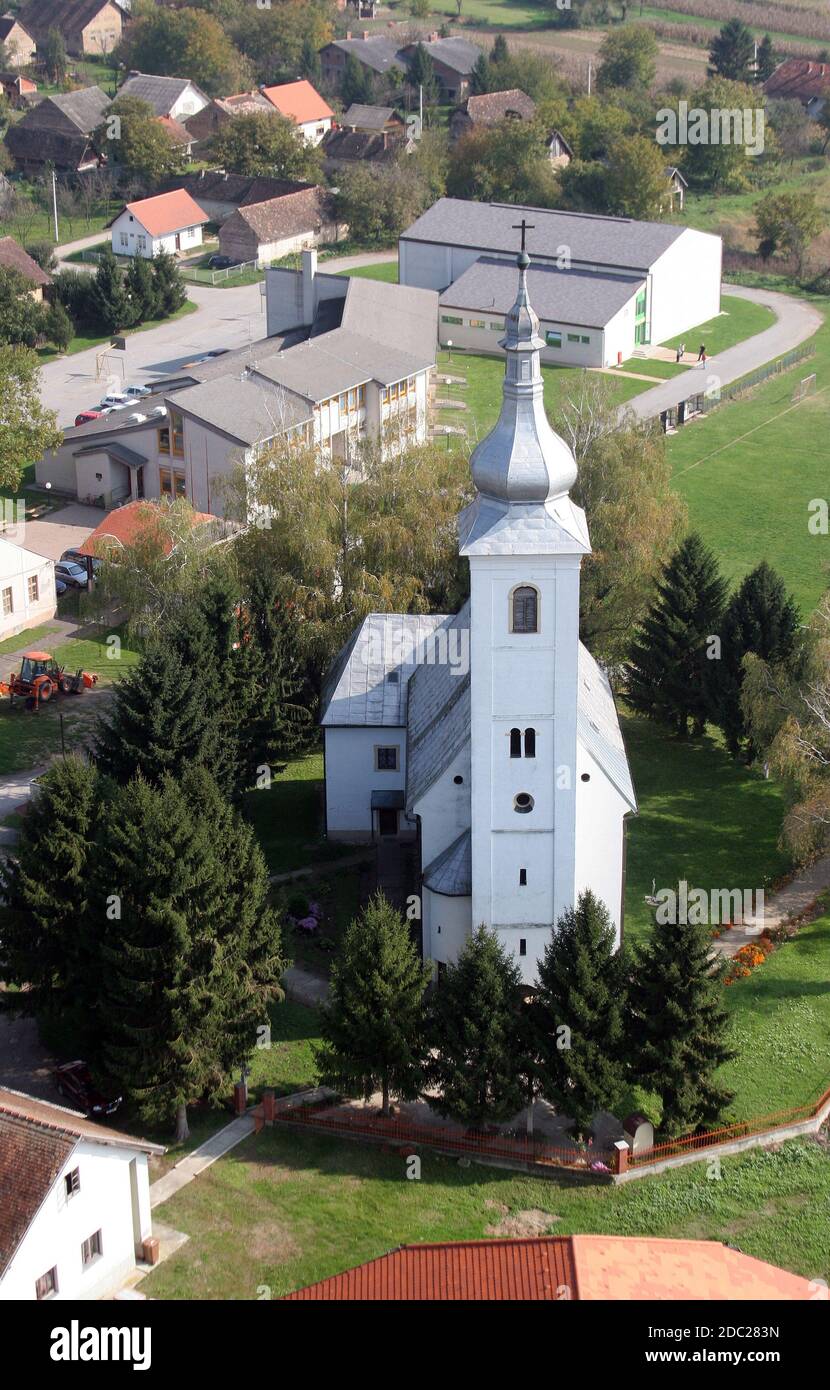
(685,285)
(351,777)
(600,841)
(444,808)
(447,923)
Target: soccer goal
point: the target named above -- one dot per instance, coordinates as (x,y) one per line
(805,387)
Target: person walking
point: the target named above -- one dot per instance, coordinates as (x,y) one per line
(701,357)
(678,353)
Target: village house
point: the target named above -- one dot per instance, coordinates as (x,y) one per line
(76,1217)
(87,26)
(490,108)
(603,286)
(501,696)
(269,230)
(376,53)
(58,132)
(301,103)
(17,90)
(346,360)
(219,194)
(801,79)
(169,222)
(210,119)
(178,135)
(13,257)
(175,97)
(676,198)
(27,587)
(372,120)
(18,42)
(453,60)
(343,149)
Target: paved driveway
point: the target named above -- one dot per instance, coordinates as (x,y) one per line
(62,530)
(25,1064)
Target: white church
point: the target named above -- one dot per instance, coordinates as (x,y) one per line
(491,737)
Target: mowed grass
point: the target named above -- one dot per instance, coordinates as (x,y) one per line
(739,319)
(288,817)
(285,1209)
(749,471)
(383,270)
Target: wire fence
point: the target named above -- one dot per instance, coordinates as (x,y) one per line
(702,402)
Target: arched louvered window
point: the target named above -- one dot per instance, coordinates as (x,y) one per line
(525,609)
(530,743)
(515,743)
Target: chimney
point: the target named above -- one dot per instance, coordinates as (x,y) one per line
(308,263)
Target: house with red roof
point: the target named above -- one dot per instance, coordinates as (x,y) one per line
(801,79)
(558,1269)
(166,222)
(301,103)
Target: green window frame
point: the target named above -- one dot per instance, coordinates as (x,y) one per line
(553,339)
(640,306)
(448,318)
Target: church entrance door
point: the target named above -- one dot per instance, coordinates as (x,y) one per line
(387,822)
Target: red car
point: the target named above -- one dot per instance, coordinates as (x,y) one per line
(87,415)
(74,1081)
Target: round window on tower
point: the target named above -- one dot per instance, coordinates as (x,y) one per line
(523,803)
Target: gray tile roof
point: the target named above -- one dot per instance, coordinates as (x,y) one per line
(119,452)
(451,872)
(615,241)
(358,690)
(367,117)
(161,93)
(460,55)
(598,725)
(247,411)
(377,52)
(580,298)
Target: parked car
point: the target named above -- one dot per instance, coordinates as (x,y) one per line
(74,1080)
(76,557)
(105,408)
(221,262)
(73,575)
(115,399)
(60,587)
(136,393)
(87,415)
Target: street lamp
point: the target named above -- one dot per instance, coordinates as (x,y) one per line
(449,349)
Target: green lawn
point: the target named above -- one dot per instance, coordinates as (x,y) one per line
(106,659)
(749,470)
(28,639)
(82,341)
(285,1209)
(285,1061)
(740,319)
(384,270)
(288,815)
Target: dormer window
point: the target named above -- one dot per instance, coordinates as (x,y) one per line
(524,612)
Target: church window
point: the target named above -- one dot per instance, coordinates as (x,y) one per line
(522,946)
(523,878)
(523,803)
(386,759)
(515,743)
(525,609)
(530,743)
(458,781)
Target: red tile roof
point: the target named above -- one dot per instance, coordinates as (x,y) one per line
(178,133)
(299,101)
(558,1268)
(125,524)
(36,1139)
(799,78)
(167,212)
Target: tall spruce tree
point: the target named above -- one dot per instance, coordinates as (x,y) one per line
(158,721)
(481,76)
(107,301)
(140,285)
(581,989)
(677,1024)
(168,286)
(732,54)
(373,1024)
(269,676)
(766,60)
(45,886)
(477,1036)
(667,677)
(201,630)
(761,618)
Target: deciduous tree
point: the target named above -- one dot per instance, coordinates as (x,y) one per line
(27,430)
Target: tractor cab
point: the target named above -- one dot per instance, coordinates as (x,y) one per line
(36,664)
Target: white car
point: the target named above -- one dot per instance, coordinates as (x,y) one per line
(136,393)
(114,399)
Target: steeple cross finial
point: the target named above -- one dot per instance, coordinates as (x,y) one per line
(523,227)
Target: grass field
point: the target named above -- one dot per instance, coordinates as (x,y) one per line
(384,270)
(30,638)
(740,319)
(285,1209)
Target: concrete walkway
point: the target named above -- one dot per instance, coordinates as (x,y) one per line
(201,1158)
(794,899)
(796,321)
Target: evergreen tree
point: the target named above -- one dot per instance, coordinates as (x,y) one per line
(201,631)
(356,85)
(158,721)
(108,302)
(761,618)
(170,293)
(678,1024)
(269,679)
(766,61)
(45,888)
(140,284)
(421,73)
(581,988)
(477,1036)
(58,326)
(499,52)
(373,1024)
(480,77)
(310,65)
(732,54)
(151,907)
(667,675)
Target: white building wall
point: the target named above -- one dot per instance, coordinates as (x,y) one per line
(130,238)
(56,1234)
(187,104)
(600,846)
(351,777)
(313,131)
(17,567)
(524,680)
(446,926)
(685,285)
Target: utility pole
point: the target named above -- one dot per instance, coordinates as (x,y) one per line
(55,206)
(589,77)
(421,108)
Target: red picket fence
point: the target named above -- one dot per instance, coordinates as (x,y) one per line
(739,1129)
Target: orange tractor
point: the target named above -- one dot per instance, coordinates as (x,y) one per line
(41,677)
